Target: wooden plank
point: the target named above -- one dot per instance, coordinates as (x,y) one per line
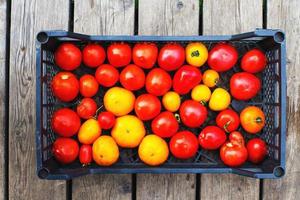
(166,17)
(104,18)
(27,19)
(104,186)
(2,93)
(229,17)
(286,16)
(165,186)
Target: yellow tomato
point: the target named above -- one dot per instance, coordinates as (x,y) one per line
(201,93)
(196,54)
(89,131)
(105,151)
(219,100)
(171,101)
(119,101)
(128,131)
(153,150)
(210,78)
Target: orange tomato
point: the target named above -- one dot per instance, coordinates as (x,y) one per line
(153,150)
(119,101)
(252,119)
(105,151)
(128,131)
(89,131)
(210,78)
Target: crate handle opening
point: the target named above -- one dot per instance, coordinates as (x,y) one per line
(43,173)
(279,37)
(278,171)
(42,37)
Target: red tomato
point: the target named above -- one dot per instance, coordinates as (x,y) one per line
(106,120)
(144,54)
(132,77)
(236,137)
(257,150)
(186,78)
(192,113)
(184,145)
(228,120)
(119,54)
(147,106)
(171,56)
(158,82)
(93,55)
(65,122)
(233,153)
(65,150)
(165,124)
(107,75)
(67,56)
(85,154)
(65,86)
(222,57)
(88,85)
(211,137)
(86,109)
(244,86)
(254,61)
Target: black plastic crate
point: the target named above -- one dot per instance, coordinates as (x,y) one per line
(272,99)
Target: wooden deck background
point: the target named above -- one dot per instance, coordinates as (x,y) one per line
(20,20)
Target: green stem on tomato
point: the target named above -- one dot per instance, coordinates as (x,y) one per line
(177,116)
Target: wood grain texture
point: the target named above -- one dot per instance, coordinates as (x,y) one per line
(286,16)
(107,17)
(104,17)
(166,186)
(104,186)
(166,17)
(230,17)
(2,93)
(27,19)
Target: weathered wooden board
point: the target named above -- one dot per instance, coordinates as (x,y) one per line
(2,93)
(27,19)
(166,17)
(286,16)
(104,186)
(165,186)
(229,17)
(104,18)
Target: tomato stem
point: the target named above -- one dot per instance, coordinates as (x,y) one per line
(204,103)
(258,120)
(177,116)
(226,126)
(216,80)
(98,111)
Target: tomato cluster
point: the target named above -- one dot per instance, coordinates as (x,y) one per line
(173,88)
